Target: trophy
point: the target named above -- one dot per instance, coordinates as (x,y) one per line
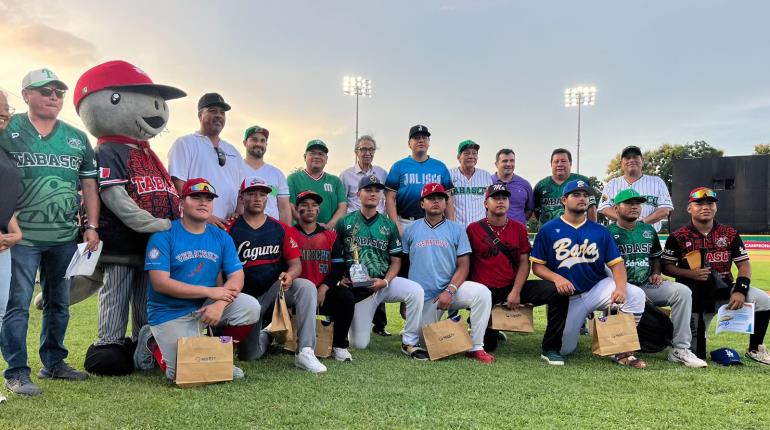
(359,275)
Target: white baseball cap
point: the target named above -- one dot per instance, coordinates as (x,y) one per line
(41,77)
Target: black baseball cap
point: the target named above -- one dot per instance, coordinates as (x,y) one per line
(630,151)
(212,99)
(309,195)
(418,129)
(498,188)
(370,181)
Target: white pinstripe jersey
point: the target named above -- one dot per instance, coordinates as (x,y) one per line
(468,195)
(651,187)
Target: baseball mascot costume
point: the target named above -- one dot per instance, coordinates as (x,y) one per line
(121,106)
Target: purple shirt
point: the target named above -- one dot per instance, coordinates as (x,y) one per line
(521,199)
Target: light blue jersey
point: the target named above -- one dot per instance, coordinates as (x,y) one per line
(408,176)
(433,253)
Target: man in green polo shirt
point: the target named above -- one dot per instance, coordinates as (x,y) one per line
(548,191)
(313,178)
(53,159)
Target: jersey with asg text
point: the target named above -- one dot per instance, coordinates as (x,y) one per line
(408,176)
(329,187)
(548,194)
(637,246)
(263,251)
(579,253)
(50,168)
(319,250)
(468,195)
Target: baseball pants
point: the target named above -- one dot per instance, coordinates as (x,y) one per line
(597,298)
(122,284)
(679,297)
(470,295)
(399,290)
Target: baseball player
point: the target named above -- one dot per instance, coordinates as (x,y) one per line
(548,191)
(639,245)
(440,254)
(470,184)
(658,204)
(713,284)
(572,252)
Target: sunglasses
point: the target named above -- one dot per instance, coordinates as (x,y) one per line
(47,91)
(202,188)
(9,109)
(705,193)
(221,156)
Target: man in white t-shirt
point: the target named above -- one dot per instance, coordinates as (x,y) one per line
(470,184)
(255,141)
(204,154)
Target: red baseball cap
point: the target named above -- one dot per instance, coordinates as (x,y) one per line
(702,193)
(119,74)
(309,195)
(255,182)
(198,186)
(433,188)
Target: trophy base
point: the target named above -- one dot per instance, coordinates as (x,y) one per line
(368,283)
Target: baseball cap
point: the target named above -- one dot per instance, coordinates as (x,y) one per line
(198,186)
(255,182)
(370,181)
(41,77)
(117,75)
(433,188)
(212,99)
(726,357)
(628,194)
(702,193)
(466,144)
(498,188)
(630,150)
(309,195)
(577,185)
(255,129)
(418,129)
(317,143)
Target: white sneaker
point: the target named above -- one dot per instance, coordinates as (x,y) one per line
(342,354)
(761,355)
(686,357)
(306,360)
(2,399)
(238,373)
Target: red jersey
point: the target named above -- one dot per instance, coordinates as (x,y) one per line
(489,266)
(317,253)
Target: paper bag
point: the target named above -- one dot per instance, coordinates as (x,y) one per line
(693,259)
(204,360)
(281,324)
(446,337)
(324,335)
(519,320)
(614,334)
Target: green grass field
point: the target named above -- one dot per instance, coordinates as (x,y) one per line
(382,388)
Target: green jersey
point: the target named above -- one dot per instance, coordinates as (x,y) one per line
(376,239)
(637,246)
(50,168)
(547,196)
(329,187)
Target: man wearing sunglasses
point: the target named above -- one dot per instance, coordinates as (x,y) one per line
(205,154)
(711,281)
(54,160)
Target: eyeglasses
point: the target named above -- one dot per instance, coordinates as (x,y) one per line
(202,187)
(9,109)
(370,150)
(221,156)
(47,91)
(703,193)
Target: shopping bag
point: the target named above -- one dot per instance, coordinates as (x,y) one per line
(324,335)
(446,337)
(613,334)
(204,360)
(281,324)
(519,320)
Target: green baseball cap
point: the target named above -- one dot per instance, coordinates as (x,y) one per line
(317,143)
(467,144)
(255,129)
(628,195)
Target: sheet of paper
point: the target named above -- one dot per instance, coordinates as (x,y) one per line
(739,321)
(83,262)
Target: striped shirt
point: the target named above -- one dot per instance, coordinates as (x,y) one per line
(468,195)
(650,187)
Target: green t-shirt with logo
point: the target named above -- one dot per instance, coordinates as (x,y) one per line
(637,246)
(329,187)
(50,168)
(547,195)
(377,240)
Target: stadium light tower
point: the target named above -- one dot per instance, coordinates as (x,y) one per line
(357,86)
(579,96)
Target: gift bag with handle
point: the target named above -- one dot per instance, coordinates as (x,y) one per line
(614,333)
(446,337)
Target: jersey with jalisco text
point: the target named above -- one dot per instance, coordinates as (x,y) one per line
(637,246)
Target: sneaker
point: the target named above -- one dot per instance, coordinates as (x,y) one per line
(686,357)
(382,332)
(307,360)
(265,340)
(238,373)
(62,371)
(2,399)
(761,355)
(415,352)
(628,359)
(39,301)
(143,357)
(481,356)
(553,358)
(342,354)
(22,385)
(501,337)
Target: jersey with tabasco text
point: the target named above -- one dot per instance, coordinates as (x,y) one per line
(376,239)
(637,246)
(319,250)
(547,195)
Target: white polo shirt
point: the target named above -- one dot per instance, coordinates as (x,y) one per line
(350,178)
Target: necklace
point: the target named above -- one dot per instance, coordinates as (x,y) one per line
(495,227)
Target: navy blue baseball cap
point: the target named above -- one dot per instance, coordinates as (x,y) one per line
(370,181)
(578,185)
(726,357)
